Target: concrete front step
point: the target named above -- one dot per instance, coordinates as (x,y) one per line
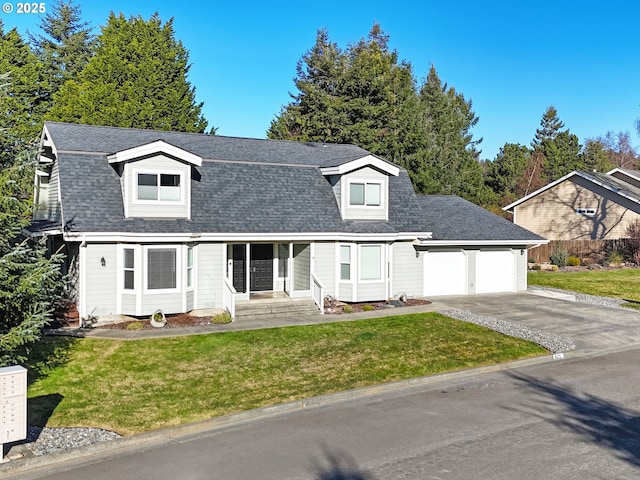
(280,308)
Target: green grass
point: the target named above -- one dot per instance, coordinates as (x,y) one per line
(136,386)
(623,283)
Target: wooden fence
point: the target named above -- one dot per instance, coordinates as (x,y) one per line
(594,250)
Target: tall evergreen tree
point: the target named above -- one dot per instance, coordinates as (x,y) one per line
(366,96)
(448,162)
(67,43)
(316,113)
(24,103)
(506,173)
(30,282)
(137,78)
(363,95)
(550,126)
(596,157)
(559,149)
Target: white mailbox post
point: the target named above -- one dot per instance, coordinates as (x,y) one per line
(13,406)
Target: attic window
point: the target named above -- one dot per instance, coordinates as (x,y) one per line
(587,212)
(365,194)
(164,187)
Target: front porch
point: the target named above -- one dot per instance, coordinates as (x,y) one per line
(275,305)
(271,279)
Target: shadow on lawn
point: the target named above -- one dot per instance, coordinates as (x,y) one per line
(48,354)
(596,420)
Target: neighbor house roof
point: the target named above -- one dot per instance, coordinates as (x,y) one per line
(604,180)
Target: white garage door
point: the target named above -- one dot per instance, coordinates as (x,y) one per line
(495,271)
(445,273)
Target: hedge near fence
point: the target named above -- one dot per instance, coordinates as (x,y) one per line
(594,250)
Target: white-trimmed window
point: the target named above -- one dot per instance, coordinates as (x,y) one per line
(370,262)
(129,268)
(189,267)
(587,212)
(162,268)
(345,262)
(365,194)
(283,260)
(159,187)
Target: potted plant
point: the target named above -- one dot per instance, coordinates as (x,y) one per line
(158,319)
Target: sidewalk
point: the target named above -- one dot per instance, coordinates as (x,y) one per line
(272,322)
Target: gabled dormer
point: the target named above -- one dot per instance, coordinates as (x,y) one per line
(155,180)
(361,187)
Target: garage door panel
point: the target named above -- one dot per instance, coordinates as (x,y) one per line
(495,271)
(445,273)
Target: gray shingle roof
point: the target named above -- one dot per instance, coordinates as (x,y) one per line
(251,186)
(457,219)
(614,184)
(107,140)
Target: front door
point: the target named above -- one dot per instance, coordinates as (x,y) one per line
(261,267)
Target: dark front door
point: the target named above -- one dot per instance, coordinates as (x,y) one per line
(261,267)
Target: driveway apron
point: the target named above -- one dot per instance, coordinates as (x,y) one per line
(591,327)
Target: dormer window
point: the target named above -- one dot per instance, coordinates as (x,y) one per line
(365,194)
(162,187)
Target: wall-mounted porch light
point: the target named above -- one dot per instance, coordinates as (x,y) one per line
(103,262)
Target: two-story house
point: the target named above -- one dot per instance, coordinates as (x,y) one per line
(178,222)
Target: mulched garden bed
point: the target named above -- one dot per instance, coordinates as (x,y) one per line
(186,320)
(339,307)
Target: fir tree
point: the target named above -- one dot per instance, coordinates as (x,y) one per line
(30,282)
(448,162)
(137,78)
(364,95)
(67,43)
(24,103)
(361,95)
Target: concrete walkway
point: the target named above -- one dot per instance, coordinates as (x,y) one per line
(271,322)
(591,327)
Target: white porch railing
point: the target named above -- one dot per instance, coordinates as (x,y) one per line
(317,292)
(229,298)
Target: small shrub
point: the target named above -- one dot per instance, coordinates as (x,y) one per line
(586,261)
(537,268)
(222,318)
(531,260)
(555,268)
(135,326)
(559,257)
(347,309)
(615,258)
(368,308)
(573,261)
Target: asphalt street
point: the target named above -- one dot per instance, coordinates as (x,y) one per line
(573,419)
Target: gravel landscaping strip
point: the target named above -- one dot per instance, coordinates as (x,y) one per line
(584,298)
(43,441)
(552,342)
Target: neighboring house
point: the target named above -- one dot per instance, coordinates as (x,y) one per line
(582,206)
(179,222)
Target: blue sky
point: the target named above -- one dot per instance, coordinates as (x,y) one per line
(511,58)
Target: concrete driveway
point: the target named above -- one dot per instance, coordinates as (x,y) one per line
(591,327)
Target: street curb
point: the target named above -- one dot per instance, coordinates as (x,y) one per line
(66,460)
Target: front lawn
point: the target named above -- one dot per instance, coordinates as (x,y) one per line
(136,386)
(621,283)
